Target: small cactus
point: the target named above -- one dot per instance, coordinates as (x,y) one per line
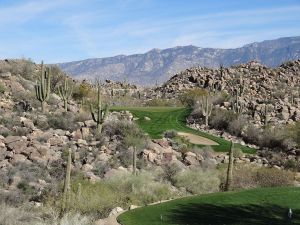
(65,93)
(42,87)
(67,183)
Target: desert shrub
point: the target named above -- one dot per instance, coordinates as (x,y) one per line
(2,88)
(140,190)
(119,127)
(126,156)
(292,165)
(181,144)
(252,134)
(64,121)
(272,177)
(82,91)
(159,102)
(18,216)
(82,116)
(206,152)
(101,168)
(20,131)
(74,219)
(243,177)
(170,134)
(27,215)
(236,126)
(221,119)
(57,77)
(190,97)
(198,181)
(249,176)
(272,138)
(41,122)
(95,198)
(9,121)
(5,131)
(237,153)
(295,133)
(169,171)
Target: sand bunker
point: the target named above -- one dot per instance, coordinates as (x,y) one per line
(196,139)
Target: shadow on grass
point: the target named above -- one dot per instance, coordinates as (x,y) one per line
(206,214)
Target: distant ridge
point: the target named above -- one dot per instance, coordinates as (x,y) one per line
(159,65)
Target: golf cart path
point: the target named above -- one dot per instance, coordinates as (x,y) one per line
(196,139)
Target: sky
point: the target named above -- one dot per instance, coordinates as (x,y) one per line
(68,30)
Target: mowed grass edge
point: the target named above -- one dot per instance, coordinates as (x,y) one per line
(256,206)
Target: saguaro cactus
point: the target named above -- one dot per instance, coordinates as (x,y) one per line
(134,161)
(65,93)
(229,169)
(42,87)
(101,112)
(67,184)
(266,115)
(206,107)
(238,105)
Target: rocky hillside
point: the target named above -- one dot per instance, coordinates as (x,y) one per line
(277,89)
(159,65)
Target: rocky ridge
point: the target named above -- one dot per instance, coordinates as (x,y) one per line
(278,89)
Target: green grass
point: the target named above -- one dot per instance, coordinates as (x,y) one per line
(174,118)
(252,207)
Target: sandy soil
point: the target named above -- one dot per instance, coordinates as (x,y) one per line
(196,139)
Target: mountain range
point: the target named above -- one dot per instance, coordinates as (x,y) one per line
(157,66)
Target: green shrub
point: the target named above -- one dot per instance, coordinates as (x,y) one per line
(295,132)
(159,102)
(292,165)
(2,88)
(236,126)
(237,153)
(139,190)
(198,181)
(170,134)
(220,119)
(65,121)
(190,97)
(95,198)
